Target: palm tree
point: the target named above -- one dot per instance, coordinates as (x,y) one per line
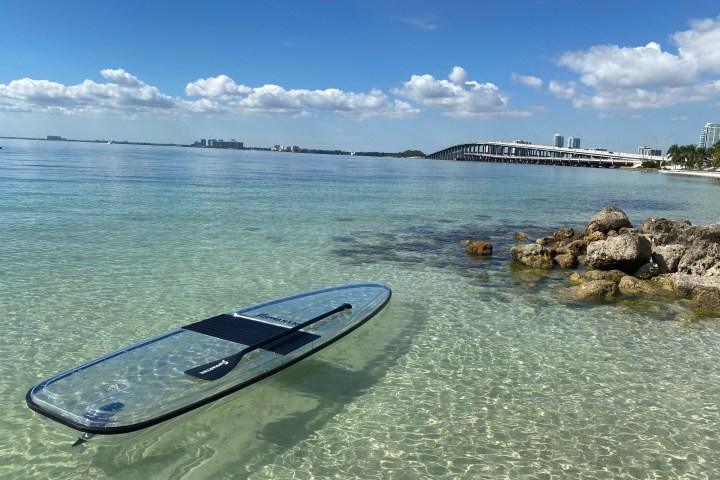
(714,154)
(698,157)
(674,154)
(687,154)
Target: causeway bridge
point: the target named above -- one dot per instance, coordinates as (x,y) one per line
(520,152)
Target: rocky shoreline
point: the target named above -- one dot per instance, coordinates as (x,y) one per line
(660,258)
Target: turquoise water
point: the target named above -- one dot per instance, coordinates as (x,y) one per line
(474,370)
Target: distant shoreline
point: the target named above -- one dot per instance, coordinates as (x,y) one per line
(404,154)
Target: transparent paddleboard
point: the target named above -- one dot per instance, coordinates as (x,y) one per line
(145,384)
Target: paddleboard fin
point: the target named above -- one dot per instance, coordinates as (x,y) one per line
(83,439)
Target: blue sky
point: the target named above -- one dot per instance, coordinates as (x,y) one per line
(384,75)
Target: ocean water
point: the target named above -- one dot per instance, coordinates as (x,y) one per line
(474,370)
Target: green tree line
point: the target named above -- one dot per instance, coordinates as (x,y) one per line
(692,156)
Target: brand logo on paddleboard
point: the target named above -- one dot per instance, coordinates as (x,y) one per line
(277,319)
(217,365)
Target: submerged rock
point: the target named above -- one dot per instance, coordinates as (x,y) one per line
(479,247)
(612,275)
(703,292)
(534,256)
(629,285)
(595,290)
(683,285)
(706,300)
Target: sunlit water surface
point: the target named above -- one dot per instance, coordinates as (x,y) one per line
(474,370)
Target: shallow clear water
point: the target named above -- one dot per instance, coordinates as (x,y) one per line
(474,370)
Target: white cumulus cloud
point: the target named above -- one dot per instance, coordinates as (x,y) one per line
(223,94)
(121,92)
(564,90)
(610,66)
(617,77)
(457,95)
(220,86)
(125,93)
(701,44)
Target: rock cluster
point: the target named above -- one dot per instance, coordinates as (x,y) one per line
(660,257)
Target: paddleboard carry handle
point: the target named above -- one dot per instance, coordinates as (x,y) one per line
(221,367)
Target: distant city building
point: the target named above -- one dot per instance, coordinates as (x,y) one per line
(55,138)
(524,142)
(573,142)
(710,135)
(225,144)
(649,151)
(212,143)
(558,140)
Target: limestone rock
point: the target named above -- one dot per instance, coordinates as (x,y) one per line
(609,218)
(594,237)
(684,285)
(611,275)
(664,232)
(701,258)
(630,285)
(544,240)
(703,292)
(566,260)
(626,252)
(668,257)
(533,255)
(648,271)
(710,233)
(479,247)
(706,300)
(595,290)
(575,248)
(564,233)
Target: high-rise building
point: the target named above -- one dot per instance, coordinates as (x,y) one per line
(649,151)
(573,142)
(558,140)
(710,135)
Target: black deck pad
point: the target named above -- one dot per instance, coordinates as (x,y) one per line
(250,332)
